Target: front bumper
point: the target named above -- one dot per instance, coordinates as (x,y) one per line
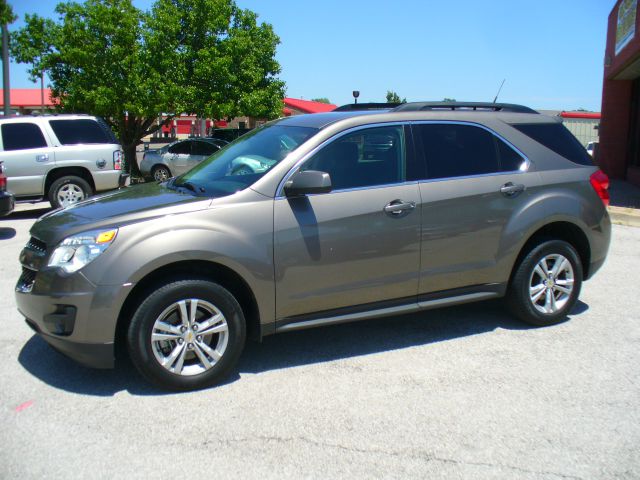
(74,316)
(7,203)
(95,355)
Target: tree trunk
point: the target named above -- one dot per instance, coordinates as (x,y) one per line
(130,161)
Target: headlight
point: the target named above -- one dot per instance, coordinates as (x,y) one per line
(76,251)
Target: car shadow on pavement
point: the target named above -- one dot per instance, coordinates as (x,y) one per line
(287,350)
(26,214)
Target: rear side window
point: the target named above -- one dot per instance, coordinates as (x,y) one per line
(203,148)
(21,136)
(556,137)
(80,131)
(453,150)
(181,148)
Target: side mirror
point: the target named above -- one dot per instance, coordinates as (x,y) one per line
(307,182)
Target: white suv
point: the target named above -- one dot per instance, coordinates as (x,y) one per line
(64,158)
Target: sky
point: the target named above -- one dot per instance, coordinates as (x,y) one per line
(550,52)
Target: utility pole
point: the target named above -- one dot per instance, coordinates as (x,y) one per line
(5,70)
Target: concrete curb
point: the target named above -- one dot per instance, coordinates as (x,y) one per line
(625,216)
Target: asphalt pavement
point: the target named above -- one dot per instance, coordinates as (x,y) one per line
(462,392)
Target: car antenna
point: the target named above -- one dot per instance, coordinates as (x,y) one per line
(496,99)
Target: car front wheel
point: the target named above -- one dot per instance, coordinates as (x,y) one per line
(546,283)
(187,335)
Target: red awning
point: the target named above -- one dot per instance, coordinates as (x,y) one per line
(28,97)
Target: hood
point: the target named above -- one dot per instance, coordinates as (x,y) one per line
(117,208)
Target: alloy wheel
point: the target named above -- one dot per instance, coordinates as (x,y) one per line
(551,283)
(189,337)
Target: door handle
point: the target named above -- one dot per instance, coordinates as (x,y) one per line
(510,189)
(397,207)
(42,158)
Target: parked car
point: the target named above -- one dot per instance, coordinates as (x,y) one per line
(62,158)
(591,148)
(178,157)
(352,215)
(7,200)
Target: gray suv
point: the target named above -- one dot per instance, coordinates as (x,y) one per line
(355,215)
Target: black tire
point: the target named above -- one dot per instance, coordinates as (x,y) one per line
(146,354)
(160,173)
(68,190)
(521,294)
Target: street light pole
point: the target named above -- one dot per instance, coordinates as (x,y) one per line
(42,91)
(5,70)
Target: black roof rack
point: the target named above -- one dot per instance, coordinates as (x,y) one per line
(354,107)
(474,106)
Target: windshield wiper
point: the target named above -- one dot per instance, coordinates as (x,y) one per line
(190,186)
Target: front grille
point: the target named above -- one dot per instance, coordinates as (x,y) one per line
(36,245)
(26,280)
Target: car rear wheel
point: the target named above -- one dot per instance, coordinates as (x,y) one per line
(187,335)
(161,173)
(546,284)
(68,190)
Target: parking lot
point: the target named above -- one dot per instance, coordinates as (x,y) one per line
(462,392)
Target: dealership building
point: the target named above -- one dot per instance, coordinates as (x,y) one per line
(619,154)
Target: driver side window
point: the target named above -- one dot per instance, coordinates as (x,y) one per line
(368,157)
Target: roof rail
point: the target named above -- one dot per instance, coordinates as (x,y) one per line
(354,107)
(474,106)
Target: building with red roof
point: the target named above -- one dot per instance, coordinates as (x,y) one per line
(298,106)
(27,100)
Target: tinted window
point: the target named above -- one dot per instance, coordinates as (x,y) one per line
(203,148)
(81,131)
(20,136)
(556,137)
(368,157)
(456,150)
(510,160)
(180,148)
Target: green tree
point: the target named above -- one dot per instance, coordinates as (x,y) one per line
(393,97)
(447,99)
(108,58)
(321,100)
(6,15)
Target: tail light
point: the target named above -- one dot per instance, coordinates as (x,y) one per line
(117,160)
(600,183)
(3,182)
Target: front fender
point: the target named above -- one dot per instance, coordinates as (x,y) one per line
(236,236)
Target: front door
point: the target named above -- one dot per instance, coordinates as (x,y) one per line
(357,246)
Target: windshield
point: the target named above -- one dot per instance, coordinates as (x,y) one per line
(244,161)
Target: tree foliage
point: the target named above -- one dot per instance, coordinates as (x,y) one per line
(108,58)
(321,100)
(393,97)
(447,99)
(6,13)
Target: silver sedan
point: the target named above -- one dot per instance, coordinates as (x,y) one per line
(178,157)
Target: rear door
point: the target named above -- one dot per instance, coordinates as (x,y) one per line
(177,157)
(357,246)
(473,183)
(27,157)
